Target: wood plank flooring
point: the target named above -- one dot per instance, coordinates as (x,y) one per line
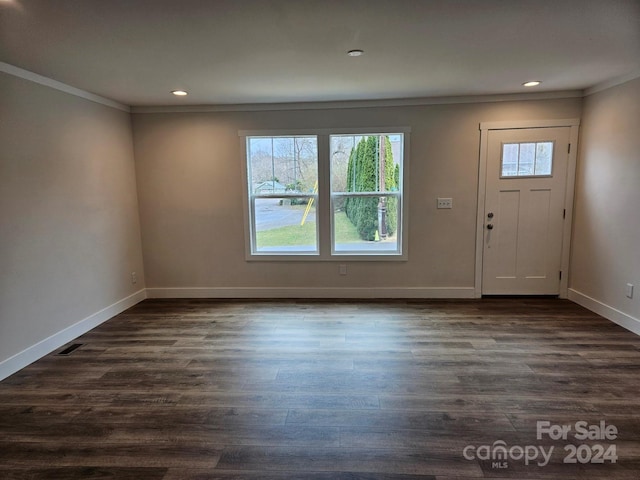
(319,390)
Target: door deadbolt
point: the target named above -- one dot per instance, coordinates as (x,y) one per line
(490,215)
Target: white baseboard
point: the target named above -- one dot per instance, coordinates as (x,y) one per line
(20,360)
(608,312)
(305,292)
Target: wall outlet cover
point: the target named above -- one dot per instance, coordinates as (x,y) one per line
(445,202)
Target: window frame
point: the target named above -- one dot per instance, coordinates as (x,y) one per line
(324,198)
(252,197)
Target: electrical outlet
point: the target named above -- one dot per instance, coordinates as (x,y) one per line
(134,278)
(343,270)
(630,290)
(445,202)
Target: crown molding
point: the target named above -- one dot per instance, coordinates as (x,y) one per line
(400,102)
(258,107)
(63,87)
(614,82)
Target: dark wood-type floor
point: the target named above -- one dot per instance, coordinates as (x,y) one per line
(204,389)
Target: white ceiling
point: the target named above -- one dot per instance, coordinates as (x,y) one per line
(265,51)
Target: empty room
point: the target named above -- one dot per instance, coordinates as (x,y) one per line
(319,239)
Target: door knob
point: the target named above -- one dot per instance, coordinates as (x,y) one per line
(490,215)
(490,226)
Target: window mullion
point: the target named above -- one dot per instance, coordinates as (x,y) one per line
(323,212)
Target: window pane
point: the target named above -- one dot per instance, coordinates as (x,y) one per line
(357,224)
(510,159)
(544,153)
(341,148)
(526,159)
(366,163)
(285,225)
(282,164)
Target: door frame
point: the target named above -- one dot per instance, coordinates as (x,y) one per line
(485,128)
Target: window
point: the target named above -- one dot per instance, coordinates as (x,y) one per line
(283,191)
(365,193)
(326,194)
(533,159)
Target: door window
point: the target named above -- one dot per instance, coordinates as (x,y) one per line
(527,159)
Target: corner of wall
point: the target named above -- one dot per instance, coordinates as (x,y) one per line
(44,347)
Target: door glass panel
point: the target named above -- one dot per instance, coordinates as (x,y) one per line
(544,152)
(527,159)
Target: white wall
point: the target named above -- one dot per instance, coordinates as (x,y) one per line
(606,237)
(69,228)
(190,189)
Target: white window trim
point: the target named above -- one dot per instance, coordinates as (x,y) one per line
(325,199)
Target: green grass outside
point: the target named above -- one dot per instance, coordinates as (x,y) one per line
(306,234)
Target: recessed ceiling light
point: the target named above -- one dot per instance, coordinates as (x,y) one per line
(179,93)
(355,53)
(532,83)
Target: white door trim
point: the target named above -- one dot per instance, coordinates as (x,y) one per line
(485,127)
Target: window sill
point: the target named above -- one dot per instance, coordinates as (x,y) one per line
(346,257)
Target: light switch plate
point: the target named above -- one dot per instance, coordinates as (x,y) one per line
(445,202)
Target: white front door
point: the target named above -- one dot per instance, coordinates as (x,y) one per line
(524,210)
